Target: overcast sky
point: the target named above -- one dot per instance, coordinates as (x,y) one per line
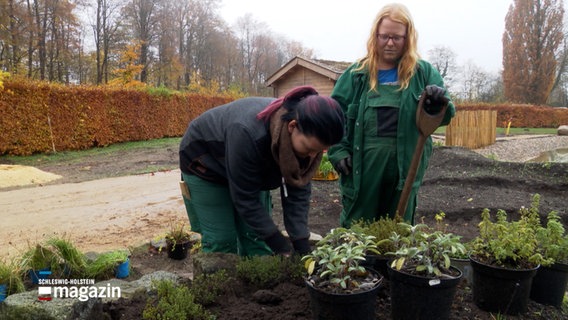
(338,29)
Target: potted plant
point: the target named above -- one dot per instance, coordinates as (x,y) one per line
(339,286)
(325,170)
(178,241)
(421,272)
(380,229)
(551,279)
(10,280)
(73,262)
(109,264)
(39,261)
(458,259)
(504,260)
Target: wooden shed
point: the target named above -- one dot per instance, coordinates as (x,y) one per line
(321,74)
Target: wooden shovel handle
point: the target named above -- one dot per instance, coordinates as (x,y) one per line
(427,124)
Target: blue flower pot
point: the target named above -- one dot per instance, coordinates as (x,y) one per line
(35,275)
(123,270)
(3,292)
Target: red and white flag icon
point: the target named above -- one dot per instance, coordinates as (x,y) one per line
(44,293)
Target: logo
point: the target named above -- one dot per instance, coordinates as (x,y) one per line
(44,293)
(81,289)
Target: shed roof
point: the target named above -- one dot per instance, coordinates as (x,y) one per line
(328,68)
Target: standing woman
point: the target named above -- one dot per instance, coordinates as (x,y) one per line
(232,156)
(379,95)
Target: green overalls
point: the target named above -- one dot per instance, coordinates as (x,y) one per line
(379,169)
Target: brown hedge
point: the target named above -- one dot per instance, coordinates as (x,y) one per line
(523,116)
(37,117)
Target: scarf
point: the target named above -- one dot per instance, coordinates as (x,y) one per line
(293,172)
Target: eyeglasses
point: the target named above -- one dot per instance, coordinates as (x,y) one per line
(395,39)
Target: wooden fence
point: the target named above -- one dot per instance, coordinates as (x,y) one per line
(472,129)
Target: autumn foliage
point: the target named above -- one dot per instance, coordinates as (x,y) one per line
(531,43)
(37,117)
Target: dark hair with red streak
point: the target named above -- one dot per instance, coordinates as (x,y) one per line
(318,116)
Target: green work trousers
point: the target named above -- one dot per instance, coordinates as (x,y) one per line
(211,213)
(378,195)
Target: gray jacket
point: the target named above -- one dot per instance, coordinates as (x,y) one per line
(229,145)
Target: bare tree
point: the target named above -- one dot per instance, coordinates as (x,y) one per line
(176,40)
(477,85)
(143,21)
(12,35)
(106,27)
(531,47)
(444,59)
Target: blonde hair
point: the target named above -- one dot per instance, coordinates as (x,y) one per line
(407,65)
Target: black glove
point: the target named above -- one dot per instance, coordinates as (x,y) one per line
(302,246)
(278,243)
(435,99)
(344,166)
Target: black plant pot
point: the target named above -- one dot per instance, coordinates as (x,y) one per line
(350,306)
(178,251)
(378,263)
(549,284)
(464,266)
(415,297)
(501,290)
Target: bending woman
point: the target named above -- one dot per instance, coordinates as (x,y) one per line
(232,156)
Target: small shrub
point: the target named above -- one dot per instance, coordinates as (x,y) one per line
(268,271)
(335,263)
(382,229)
(552,240)
(174,302)
(425,252)
(507,244)
(207,287)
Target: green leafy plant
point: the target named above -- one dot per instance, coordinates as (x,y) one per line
(174,302)
(206,288)
(551,237)
(443,227)
(178,233)
(268,271)
(40,257)
(382,229)
(325,168)
(424,251)
(73,261)
(10,275)
(104,266)
(506,244)
(335,262)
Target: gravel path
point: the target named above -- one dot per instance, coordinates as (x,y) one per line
(523,148)
(518,148)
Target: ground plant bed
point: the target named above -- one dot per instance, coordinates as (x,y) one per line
(458,182)
(290,300)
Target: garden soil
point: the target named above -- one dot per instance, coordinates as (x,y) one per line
(99,206)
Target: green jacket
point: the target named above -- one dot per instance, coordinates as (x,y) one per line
(351,91)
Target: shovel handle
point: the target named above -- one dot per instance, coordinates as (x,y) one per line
(426,124)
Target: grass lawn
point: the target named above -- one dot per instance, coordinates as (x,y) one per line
(514,131)
(68,156)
